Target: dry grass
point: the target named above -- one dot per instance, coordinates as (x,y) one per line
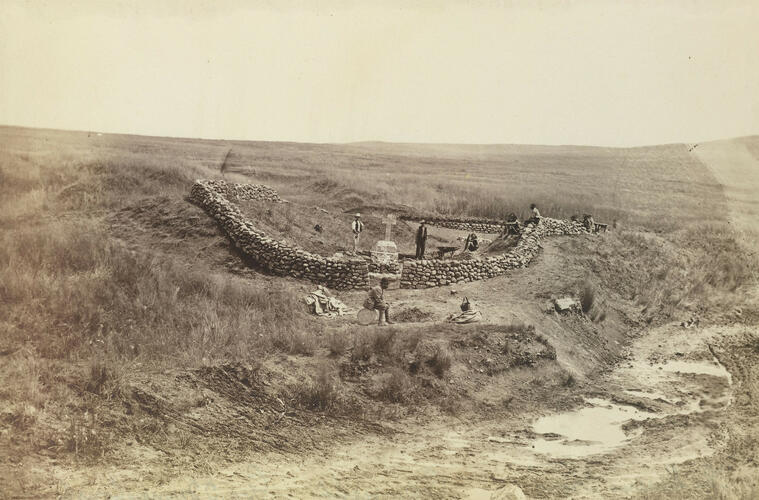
(440,361)
(80,308)
(97,292)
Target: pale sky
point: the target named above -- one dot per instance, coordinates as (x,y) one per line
(552,72)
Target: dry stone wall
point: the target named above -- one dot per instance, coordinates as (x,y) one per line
(462,223)
(275,256)
(231,191)
(389,268)
(281,258)
(430,273)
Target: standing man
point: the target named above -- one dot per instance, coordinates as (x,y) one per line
(421,240)
(357,227)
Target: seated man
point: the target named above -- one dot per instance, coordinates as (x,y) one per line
(511,226)
(376,300)
(535,219)
(471,243)
(589,223)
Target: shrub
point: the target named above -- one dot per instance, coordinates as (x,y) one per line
(322,392)
(337,343)
(294,342)
(83,438)
(587,296)
(396,386)
(519,327)
(383,342)
(362,348)
(440,361)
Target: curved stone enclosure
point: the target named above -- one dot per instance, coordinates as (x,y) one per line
(275,256)
(429,273)
(283,259)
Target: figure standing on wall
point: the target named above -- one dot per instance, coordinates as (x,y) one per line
(357,226)
(421,240)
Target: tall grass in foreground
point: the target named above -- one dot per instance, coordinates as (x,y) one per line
(67,288)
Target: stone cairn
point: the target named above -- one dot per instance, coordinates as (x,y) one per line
(272,255)
(430,273)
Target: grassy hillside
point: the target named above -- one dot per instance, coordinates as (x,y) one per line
(109,277)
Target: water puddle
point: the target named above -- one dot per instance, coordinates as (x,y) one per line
(586,431)
(713,368)
(599,427)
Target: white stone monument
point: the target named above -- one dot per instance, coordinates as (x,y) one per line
(386,251)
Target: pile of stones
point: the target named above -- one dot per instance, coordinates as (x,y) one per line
(430,273)
(275,256)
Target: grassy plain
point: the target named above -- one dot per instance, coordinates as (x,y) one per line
(107,274)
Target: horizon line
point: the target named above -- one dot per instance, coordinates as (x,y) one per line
(377,141)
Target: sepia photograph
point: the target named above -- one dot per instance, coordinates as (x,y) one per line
(482,249)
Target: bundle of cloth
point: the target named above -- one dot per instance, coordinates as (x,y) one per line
(469,314)
(322,303)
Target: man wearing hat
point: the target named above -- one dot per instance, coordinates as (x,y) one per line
(421,240)
(357,227)
(375,300)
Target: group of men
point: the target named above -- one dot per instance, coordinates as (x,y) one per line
(375,299)
(357,226)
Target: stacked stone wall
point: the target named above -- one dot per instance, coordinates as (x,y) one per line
(283,259)
(232,191)
(461,223)
(430,273)
(389,268)
(274,256)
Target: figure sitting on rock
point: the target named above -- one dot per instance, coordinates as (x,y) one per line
(589,223)
(512,226)
(375,300)
(471,244)
(535,215)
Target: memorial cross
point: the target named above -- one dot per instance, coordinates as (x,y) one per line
(389,223)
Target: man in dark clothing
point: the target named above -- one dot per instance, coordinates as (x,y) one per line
(471,243)
(421,240)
